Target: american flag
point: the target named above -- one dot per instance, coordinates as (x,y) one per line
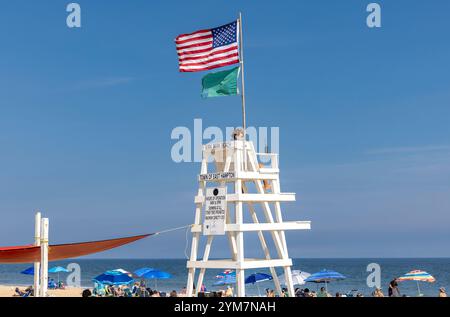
(208,49)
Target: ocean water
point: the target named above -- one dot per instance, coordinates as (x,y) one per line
(354,269)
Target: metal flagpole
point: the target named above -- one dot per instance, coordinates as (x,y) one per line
(241,59)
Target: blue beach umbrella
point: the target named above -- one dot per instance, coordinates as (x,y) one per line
(325,276)
(113,278)
(155,275)
(258,277)
(58,269)
(255,278)
(29,271)
(142,271)
(122,271)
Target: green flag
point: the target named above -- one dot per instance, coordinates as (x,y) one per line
(222,83)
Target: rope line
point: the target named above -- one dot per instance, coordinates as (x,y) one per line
(187,227)
(186,246)
(173,229)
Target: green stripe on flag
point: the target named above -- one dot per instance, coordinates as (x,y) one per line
(222,83)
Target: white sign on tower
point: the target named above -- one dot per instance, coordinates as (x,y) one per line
(215,210)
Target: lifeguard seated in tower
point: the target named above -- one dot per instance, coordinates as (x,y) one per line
(238,134)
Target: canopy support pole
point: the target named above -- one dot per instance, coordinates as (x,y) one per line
(44,257)
(37,242)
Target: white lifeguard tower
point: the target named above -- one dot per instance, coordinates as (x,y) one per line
(232,182)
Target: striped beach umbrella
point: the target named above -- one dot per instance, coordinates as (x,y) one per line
(418,276)
(226,280)
(226,273)
(325,276)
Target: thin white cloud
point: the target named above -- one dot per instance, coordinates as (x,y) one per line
(409,149)
(104,82)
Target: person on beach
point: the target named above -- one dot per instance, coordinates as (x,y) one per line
(173,294)
(86,293)
(323,293)
(119,292)
(377,292)
(141,292)
(135,288)
(270,293)
(306,293)
(52,284)
(229,291)
(442,292)
(127,292)
(393,289)
(29,291)
(156,294)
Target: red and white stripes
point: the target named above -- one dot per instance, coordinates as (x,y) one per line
(196,52)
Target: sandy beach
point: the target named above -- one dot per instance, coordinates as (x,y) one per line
(8,291)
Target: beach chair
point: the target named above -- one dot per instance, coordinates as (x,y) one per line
(27,294)
(108,291)
(19,293)
(99,290)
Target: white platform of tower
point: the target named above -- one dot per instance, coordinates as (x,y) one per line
(251,187)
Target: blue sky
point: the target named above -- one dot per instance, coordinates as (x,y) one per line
(86,116)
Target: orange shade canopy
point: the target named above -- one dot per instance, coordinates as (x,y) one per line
(31,253)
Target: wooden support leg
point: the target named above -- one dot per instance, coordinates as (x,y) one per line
(264,245)
(277,236)
(240,273)
(194,251)
(191,273)
(289,282)
(279,218)
(231,238)
(205,258)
